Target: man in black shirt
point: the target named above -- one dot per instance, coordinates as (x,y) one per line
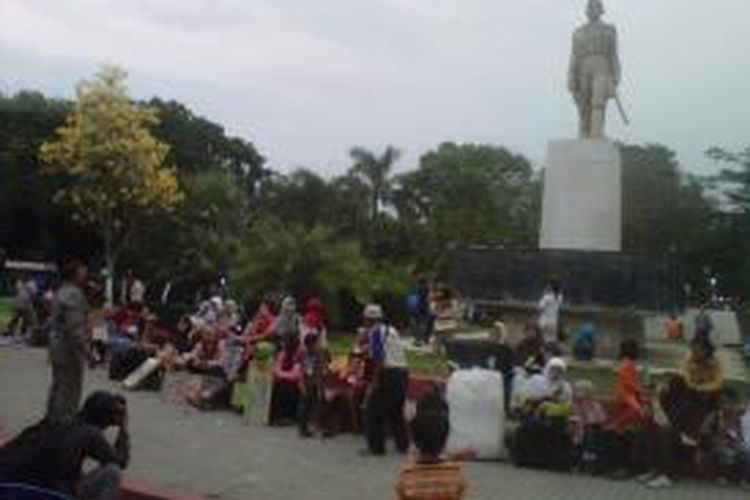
(51,455)
(86,439)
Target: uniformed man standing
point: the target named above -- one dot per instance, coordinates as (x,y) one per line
(386,393)
(594,72)
(69,344)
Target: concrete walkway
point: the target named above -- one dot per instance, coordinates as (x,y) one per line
(216,455)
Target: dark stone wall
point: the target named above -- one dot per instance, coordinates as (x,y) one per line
(588,279)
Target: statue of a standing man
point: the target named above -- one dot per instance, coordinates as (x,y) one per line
(594,72)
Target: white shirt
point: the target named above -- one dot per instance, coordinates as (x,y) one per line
(395,356)
(549,310)
(393,352)
(137,291)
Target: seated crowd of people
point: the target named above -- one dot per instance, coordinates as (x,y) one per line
(274,364)
(688,420)
(223,347)
(689,423)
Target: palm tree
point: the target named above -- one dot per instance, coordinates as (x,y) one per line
(375,171)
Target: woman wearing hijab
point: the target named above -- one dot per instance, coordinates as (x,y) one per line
(314,321)
(542,440)
(559,395)
(206,356)
(260,328)
(315,360)
(288,323)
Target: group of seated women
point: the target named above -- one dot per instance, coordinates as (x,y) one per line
(320,393)
(215,344)
(688,423)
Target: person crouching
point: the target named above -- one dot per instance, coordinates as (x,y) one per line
(87,440)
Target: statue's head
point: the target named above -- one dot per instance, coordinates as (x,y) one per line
(595,10)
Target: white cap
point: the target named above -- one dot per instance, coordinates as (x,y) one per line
(373,311)
(557,363)
(289,304)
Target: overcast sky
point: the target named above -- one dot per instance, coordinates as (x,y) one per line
(307,79)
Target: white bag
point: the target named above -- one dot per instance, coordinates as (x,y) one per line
(141,373)
(477,415)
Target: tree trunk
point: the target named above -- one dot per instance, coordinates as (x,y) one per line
(109,263)
(109,284)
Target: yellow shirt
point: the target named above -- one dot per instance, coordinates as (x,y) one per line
(705,376)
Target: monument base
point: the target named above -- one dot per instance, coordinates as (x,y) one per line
(607,280)
(582,196)
(615,290)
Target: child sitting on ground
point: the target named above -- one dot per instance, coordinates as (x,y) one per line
(431,477)
(586,423)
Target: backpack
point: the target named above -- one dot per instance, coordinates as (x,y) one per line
(31,457)
(124,363)
(412,303)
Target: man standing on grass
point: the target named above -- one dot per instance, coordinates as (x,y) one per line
(422,314)
(69,344)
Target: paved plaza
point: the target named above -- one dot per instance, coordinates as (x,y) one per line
(214,454)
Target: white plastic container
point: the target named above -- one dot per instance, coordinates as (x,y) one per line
(477,415)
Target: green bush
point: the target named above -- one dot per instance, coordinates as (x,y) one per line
(279,258)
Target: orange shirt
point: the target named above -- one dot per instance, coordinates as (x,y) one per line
(629,396)
(441,480)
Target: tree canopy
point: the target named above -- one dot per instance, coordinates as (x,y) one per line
(367,232)
(116,169)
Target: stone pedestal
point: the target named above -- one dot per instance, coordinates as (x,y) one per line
(582,197)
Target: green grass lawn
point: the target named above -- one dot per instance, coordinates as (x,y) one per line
(419,363)
(433,364)
(603,378)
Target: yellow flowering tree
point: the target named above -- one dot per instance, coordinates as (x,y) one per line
(116,168)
